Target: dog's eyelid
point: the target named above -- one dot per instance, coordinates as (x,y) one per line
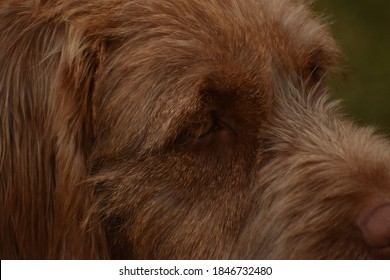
(202,126)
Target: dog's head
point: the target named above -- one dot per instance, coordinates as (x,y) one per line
(201,129)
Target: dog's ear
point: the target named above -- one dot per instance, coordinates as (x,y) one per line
(75,87)
(48,77)
(75,90)
(77,83)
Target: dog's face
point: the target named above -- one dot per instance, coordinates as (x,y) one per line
(214,138)
(204,131)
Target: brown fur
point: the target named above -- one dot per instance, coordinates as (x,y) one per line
(180,129)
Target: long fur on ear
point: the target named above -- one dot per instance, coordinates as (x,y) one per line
(47,80)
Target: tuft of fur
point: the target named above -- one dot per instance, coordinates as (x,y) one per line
(180,129)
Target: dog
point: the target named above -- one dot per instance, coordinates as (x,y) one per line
(181,129)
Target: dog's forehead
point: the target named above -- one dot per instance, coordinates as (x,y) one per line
(249,35)
(167,50)
(261,21)
(282,27)
(242,32)
(287,30)
(295,18)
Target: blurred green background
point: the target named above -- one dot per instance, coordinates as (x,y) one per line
(362,29)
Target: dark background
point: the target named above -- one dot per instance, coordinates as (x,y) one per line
(362,29)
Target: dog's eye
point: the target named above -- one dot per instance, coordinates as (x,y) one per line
(201,127)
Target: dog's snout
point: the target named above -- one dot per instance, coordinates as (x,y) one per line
(375,226)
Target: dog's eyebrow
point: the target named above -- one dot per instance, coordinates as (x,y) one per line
(304,30)
(320,52)
(169,119)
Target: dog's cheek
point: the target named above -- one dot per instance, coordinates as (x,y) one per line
(162,199)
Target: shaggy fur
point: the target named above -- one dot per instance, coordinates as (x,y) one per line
(181,129)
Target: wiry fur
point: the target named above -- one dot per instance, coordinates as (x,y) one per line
(103,152)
